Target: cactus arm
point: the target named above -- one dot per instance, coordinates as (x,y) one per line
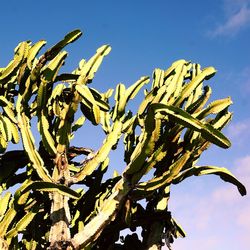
(22,224)
(107,213)
(155,158)
(4,203)
(47,139)
(122,96)
(132,91)
(86,74)
(214,108)
(189,88)
(158,78)
(12,68)
(222,119)
(195,69)
(6,128)
(78,123)
(26,89)
(197,105)
(100,99)
(178,78)
(29,146)
(185,119)
(215,136)
(34,50)
(89,101)
(49,73)
(8,108)
(102,153)
(146,145)
(50,187)
(167,177)
(89,69)
(170,71)
(12,210)
(8,218)
(69,38)
(5,135)
(223,173)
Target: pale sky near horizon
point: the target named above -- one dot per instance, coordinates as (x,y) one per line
(144,35)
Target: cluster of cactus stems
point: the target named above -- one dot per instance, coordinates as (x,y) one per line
(162,142)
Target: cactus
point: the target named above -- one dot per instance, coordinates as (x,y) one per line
(162,142)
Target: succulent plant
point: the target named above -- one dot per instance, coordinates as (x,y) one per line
(163,140)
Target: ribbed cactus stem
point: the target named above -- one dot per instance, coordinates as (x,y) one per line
(60,217)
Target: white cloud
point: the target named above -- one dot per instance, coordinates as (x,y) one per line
(218,219)
(238,17)
(243,218)
(239,132)
(243,170)
(226,194)
(238,128)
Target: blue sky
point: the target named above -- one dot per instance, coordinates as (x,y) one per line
(149,34)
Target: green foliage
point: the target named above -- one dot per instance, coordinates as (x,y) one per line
(162,142)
